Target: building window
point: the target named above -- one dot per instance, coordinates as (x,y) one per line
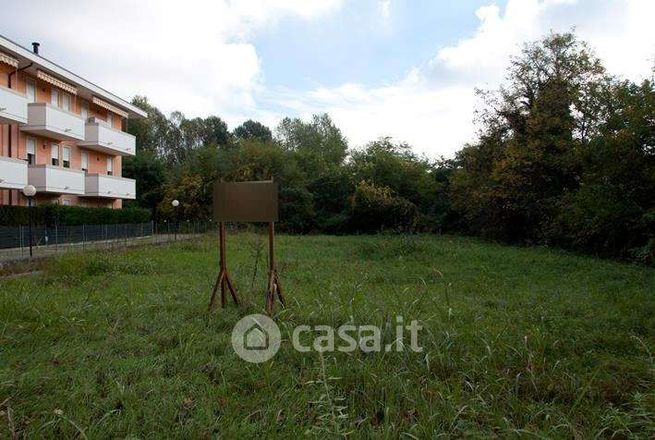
(54,97)
(85,161)
(84,110)
(110,166)
(31,151)
(66,202)
(31,91)
(110,119)
(54,154)
(66,101)
(67,157)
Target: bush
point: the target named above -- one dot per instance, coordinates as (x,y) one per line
(296,209)
(71,215)
(375,208)
(335,224)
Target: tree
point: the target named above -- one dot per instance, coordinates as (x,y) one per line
(319,144)
(376,208)
(395,166)
(152,132)
(254,130)
(214,132)
(148,170)
(613,211)
(533,126)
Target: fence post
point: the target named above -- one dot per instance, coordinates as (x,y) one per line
(20,239)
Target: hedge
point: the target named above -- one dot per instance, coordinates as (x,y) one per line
(71,215)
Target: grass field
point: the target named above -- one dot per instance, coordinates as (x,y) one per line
(517,342)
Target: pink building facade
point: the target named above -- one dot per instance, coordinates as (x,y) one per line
(60,133)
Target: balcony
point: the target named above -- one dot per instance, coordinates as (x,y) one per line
(112,187)
(45,120)
(100,137)
(13,107)
(50,179)
(13,173)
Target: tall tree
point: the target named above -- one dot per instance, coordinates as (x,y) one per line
(254,130)
(319,143)
(533,126)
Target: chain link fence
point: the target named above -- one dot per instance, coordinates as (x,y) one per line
(51,240)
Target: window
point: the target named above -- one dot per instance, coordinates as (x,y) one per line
(66,101)
(67,157)
(84,111)
(31,151)
(85,161)
(54,97)
(54,154)
(66,202)
(110,119)
(110,165)
(31,91)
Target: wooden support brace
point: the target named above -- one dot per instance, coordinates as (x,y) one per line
(273,288)
(223,280)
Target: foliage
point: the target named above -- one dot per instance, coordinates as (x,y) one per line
(51,214)
(149,172)
(254,130)
(564,157)
(319,144)
(376,208)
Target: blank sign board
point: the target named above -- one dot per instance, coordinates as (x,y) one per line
(245,201)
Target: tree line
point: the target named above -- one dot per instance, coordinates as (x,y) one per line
(565,156)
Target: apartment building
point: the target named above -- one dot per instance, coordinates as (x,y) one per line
(60,133)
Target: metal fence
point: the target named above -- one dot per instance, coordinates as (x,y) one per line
(49,240)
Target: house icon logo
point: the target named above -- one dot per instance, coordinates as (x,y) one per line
(256,338)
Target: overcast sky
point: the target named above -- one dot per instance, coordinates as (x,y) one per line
(400,68)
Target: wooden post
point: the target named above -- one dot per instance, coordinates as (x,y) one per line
(273,279)
(223,278)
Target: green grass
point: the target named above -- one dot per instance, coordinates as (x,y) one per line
(517,342)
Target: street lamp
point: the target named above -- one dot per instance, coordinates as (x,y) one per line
(29,191)
(175,204)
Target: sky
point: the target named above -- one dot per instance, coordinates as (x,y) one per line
(406,69)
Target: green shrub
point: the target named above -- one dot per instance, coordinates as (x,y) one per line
(71,215)
(375,208)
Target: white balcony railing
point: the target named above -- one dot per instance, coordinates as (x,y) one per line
(99,136)
(52,122)
(51,179)
(13,107)
(13,173)
(113,187)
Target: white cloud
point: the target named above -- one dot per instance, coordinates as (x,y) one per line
(198,57)
(193,56)
(385,9)
(432,107)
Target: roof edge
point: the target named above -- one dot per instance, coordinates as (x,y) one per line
(56,69)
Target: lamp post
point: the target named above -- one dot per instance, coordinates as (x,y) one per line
(176,204)
(29,191)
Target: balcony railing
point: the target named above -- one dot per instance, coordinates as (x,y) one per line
(99,136)
(13,173)
(113,187)
(51,179)
(52,122)
(13,107)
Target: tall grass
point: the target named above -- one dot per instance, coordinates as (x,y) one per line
(517,342)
